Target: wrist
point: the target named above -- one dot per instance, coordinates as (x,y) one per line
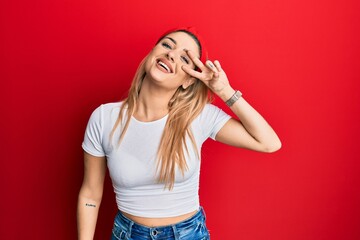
(226,93)
(236,96)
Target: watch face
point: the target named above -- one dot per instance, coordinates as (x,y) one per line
(233,98)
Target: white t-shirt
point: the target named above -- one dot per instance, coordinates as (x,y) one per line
(132,165)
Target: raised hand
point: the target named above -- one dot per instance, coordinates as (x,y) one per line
(212,75)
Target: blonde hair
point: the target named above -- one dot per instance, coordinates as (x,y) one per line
(184,106)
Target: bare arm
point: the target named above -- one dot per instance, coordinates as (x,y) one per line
(90,195)
(250,130)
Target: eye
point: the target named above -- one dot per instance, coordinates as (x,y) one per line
(185,59)
(166,45)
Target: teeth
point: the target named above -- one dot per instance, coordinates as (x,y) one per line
(164,65)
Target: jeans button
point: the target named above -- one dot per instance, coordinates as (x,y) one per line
(154,232)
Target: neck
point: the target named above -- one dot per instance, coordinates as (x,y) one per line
(153,102)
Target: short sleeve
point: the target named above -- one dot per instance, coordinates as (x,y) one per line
(212,119)
(92,143)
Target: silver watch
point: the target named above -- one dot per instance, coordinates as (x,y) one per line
(233,98)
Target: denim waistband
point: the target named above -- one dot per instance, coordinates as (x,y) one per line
(162,231)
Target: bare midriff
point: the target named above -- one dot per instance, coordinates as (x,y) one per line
(157,222)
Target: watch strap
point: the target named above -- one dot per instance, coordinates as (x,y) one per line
(236,96)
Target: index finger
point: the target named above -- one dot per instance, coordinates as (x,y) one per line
(191,72)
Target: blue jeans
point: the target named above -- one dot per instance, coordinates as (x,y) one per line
(193,228)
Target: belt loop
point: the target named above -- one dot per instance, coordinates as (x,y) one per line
(203,212)
(129,230)
(176,234)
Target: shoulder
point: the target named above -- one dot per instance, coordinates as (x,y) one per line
(209,110)
(107,109)
(210,107)
(105,112)
(211,120)
(210,115)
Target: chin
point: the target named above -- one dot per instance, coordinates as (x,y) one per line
(156,76)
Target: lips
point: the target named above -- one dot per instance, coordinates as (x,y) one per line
(164,65)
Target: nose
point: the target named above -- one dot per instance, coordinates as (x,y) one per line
(171,55)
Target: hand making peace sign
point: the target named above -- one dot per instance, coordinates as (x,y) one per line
(212,75)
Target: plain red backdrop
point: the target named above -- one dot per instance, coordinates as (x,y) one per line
(297,63)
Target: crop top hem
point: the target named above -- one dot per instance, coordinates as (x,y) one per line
(174,214)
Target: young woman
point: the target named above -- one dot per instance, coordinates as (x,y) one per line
(151,143)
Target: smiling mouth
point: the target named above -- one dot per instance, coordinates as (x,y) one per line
(164,66)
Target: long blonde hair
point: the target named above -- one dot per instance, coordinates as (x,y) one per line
(184,106)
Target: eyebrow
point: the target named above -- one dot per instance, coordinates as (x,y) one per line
(171,39)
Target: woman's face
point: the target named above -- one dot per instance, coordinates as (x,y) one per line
(164,62)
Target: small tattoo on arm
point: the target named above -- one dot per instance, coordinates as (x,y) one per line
(90,205)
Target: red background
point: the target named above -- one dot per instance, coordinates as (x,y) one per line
(297,63)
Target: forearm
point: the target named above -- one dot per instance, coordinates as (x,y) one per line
(87,213)
(252,121)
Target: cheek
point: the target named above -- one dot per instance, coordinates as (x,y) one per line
(148,63)
(182,76)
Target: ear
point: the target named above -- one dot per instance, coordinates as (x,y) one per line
(188,82)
